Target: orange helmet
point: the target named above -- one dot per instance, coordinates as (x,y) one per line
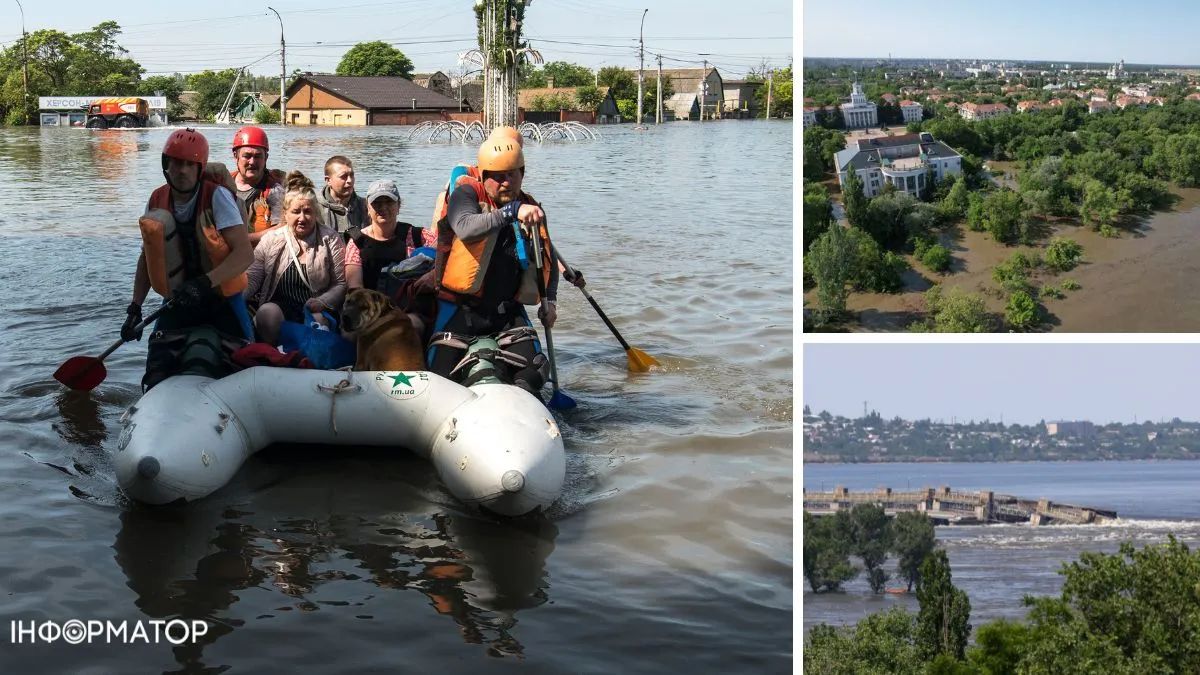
(508,133)
(252,136)
(188,145)
(500,154)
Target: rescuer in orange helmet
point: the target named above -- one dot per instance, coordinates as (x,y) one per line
(259,190)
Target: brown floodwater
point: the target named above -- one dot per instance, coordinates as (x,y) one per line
(671,548)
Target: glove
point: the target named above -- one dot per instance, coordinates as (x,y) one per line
(575,277)
(511,209)
(195,293)
(133,316)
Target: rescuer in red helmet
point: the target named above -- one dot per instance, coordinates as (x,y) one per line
(259,190)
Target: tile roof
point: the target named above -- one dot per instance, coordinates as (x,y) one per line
(378,92)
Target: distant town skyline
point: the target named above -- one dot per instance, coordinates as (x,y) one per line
(1023,383)
(1099,31)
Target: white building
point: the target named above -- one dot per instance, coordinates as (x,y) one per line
(902,161)
(859,112)
(911,110)
(810,117)
(973,112)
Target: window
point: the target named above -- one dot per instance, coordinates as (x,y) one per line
(312,118)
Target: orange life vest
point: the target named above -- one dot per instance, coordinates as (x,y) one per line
(462,267)
(430,236)
(163,245)
(258,218)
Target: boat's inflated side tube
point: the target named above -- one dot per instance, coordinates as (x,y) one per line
(493,446)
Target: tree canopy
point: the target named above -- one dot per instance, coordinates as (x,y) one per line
(376,58)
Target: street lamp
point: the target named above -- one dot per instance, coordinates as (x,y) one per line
(282,71)
(641,64)
(24,64)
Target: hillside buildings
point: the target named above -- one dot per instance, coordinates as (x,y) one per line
(901,161)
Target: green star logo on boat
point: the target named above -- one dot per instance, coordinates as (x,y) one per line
(399,378)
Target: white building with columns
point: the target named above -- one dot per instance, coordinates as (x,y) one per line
(903,162)
(859,112)
(911,110)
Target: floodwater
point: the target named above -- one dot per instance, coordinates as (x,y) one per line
(998,564)
(670,549)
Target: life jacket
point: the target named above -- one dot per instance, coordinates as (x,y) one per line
(257,209)
(174,254)
(378,254)
(430,235)
(461,267)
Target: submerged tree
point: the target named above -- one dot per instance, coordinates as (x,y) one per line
(943,622)
(913,540)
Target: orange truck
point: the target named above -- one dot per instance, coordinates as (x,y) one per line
(123,113)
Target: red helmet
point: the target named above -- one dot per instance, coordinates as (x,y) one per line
(250,136)
(188,145)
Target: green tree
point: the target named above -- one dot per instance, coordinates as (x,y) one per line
(826,553)
(887,219)
(1021,312)
(875,270)
(211,89)
(943,622)
(565,75)
(1003,215)
(818,213)
(975,211)
(375,58)
(588,97)
(1100,207)
(956,311)
(1063,254)
(912,541)
(883,643)
(937,258)
(957,200)
(871,540)
(171,87)
(854,200)
(831,261)
(782,86)
(999,646)
(266,116)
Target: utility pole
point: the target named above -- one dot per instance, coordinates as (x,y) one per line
(658,110)
(24,64)
(641,67)
(770,82)
(282,71)
(703,85)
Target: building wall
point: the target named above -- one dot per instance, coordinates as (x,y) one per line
(308,97)
(911,113)
(337,117)
(405,117)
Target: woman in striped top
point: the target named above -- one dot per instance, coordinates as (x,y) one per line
(297,266)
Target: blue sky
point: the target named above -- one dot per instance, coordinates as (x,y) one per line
(1024,383)
(1150,31)
(221,33)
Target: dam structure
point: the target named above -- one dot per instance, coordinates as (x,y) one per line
(953,507)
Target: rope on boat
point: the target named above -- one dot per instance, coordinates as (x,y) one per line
(343,386)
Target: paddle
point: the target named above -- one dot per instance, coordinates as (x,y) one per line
(639,361)
(85,373)
(558,400)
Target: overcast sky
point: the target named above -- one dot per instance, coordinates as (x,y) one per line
(1024,383)
(1149,31)
(188,37)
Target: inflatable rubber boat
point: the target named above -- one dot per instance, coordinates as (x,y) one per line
(493,445)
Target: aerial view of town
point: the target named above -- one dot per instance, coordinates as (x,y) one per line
(1014,192)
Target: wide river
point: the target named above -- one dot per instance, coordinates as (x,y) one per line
(670,549)
(998,564)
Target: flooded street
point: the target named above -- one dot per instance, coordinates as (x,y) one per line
(671,548)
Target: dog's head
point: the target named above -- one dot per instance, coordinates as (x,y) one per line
(362,308)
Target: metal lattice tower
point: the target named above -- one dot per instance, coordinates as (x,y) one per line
(501,53)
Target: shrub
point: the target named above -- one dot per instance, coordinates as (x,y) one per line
(1063,254)
(1013,274)
(1051,291)
(937,258)
(1022,311)
(1108,231)
(266,116)
(1070,285)
(957,311)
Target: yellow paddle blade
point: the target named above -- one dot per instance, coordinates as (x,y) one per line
(640,361)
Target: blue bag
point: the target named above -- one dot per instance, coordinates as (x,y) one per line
(326,349)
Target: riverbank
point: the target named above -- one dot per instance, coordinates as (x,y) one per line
(1141,281)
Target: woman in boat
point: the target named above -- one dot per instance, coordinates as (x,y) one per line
(381,243)
(296,267)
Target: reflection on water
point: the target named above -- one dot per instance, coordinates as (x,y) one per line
(198,562)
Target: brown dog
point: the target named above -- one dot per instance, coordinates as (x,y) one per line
(384,335)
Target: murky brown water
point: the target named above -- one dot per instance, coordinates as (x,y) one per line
(671,548)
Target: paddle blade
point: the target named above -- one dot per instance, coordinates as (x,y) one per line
(560,401)
(81,373)
(640,361)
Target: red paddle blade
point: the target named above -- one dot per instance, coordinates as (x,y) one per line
(81,373)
